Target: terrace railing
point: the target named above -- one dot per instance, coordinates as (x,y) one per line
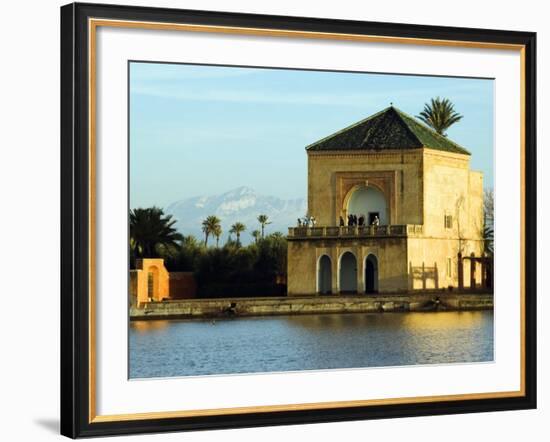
(403,230)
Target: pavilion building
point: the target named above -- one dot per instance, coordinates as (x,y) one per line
(419,209)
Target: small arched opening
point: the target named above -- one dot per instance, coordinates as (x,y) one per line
(324,275)
(348,273)
(152,282)
(371,274)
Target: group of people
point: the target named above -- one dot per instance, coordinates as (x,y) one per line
(354,220)
(307,221)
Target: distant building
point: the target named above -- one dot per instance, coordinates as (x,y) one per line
(418,206)
(151,282)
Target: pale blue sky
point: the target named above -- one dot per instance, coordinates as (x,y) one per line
(203,130)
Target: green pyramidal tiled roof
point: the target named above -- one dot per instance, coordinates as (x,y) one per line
(387,129)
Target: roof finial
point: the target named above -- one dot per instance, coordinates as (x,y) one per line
(391,103)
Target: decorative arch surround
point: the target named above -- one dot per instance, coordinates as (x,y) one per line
(384,181)
(347,272)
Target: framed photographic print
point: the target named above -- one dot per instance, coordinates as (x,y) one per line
(273,220)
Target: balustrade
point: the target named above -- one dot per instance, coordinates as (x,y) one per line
(355,231)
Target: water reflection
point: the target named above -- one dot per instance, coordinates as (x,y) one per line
(308,342)
(148,326)
(345,321)
(444,320)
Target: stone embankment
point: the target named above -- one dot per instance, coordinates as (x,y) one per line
(235,307)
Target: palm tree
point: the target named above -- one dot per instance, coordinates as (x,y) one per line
(149,229)
(237,229)
(488,221)
(439,115)
(263,220)
(488,207)
(488,239)
(256,234)
(209,226)
(217,232)
(190,241)
(277,235)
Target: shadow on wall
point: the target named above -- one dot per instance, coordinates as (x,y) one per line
(423,277)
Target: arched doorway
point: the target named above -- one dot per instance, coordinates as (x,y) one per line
(371,274)
(348,273)
(324,275)
(152,283)
(368,202)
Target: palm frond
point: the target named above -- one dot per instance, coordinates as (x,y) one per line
(439,114)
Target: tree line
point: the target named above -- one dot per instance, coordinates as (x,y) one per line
(211,226)
(232,269)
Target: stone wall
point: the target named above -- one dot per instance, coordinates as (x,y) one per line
(433,262)
(398,174)
(304,256)
(431,188)
(452,189)
(182,285)
(235,307)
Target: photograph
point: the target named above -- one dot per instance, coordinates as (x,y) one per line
(283,220)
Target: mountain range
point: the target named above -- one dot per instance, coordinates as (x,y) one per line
(242,204)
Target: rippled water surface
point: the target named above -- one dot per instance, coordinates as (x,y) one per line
(309,342)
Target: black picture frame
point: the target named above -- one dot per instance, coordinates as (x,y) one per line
(75,220)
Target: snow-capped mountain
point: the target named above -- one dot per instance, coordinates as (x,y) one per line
(242,204)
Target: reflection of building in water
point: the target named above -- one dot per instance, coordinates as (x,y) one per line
(410,206)
(144,327)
